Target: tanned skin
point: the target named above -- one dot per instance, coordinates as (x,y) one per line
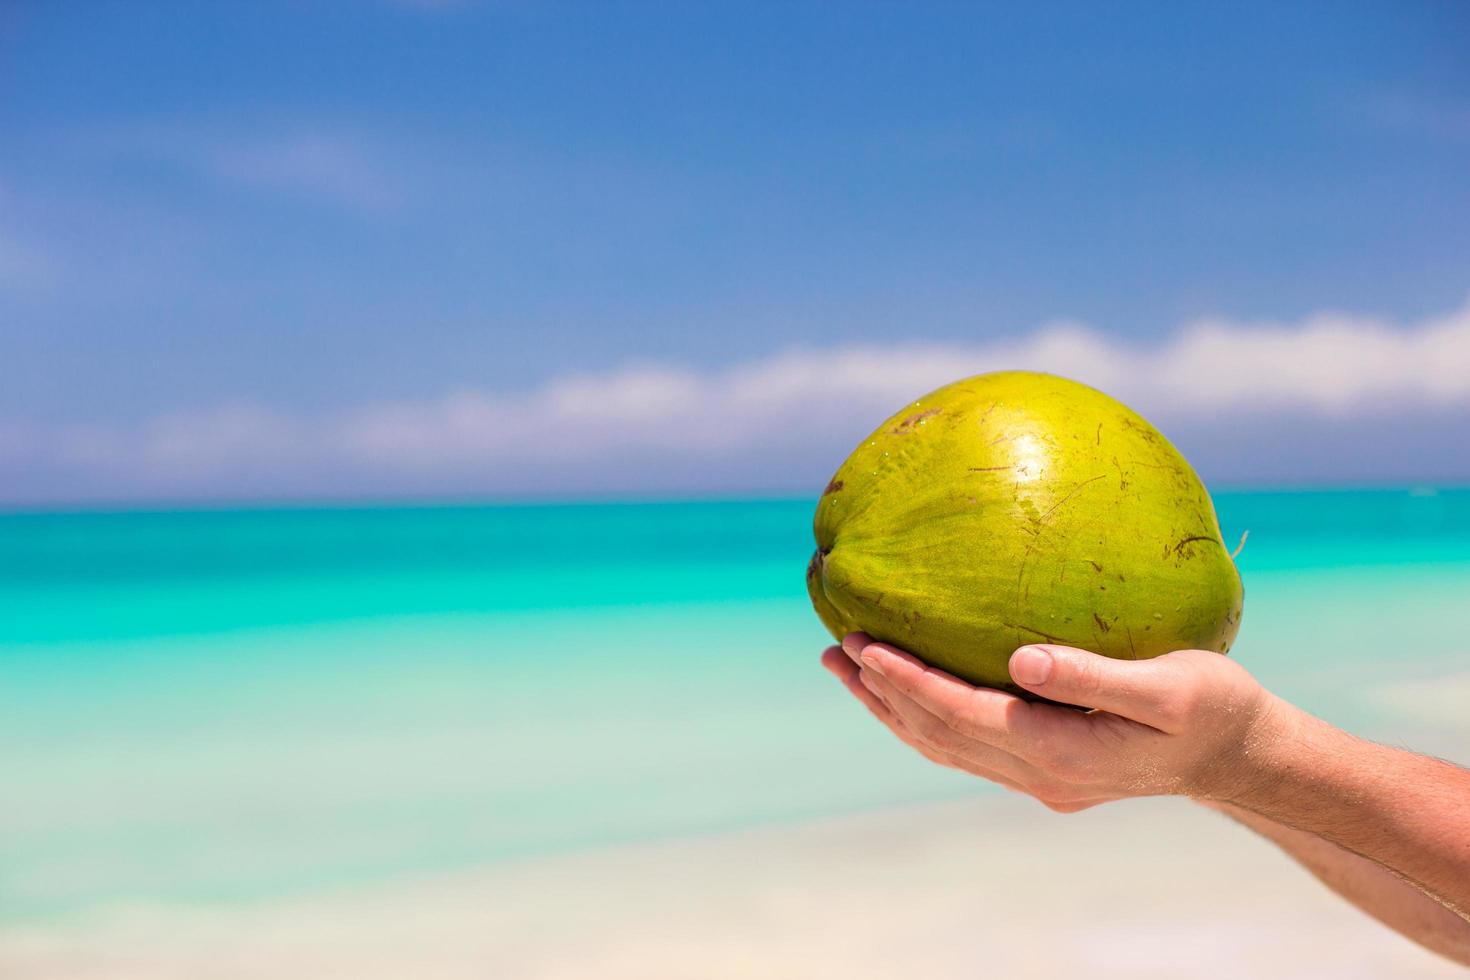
(1387,829)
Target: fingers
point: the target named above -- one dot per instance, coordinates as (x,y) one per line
(846,671)
(981,713)
(1158,692)
(1013,771)
(970,754)
(940,743)
(853,644)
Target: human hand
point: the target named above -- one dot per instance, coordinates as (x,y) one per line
(1196,724)
(1184,723)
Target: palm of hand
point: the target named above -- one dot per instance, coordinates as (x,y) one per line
(1172,725)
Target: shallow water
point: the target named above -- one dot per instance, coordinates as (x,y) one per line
(230,704)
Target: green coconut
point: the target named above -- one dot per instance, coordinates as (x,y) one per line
(1016,508)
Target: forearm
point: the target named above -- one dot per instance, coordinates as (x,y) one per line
(1406,812)
(1388,898)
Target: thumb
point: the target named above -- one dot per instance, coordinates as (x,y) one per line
(1149,691)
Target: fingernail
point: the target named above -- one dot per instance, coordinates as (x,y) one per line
(1031,666)
(870,661)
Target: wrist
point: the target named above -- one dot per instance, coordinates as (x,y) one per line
(1258,763)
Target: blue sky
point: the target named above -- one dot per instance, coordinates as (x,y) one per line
(340,249)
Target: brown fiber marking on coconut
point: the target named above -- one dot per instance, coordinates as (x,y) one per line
(1070,494)
(1179,549)
(1051,637)
(907,425)
(814,567)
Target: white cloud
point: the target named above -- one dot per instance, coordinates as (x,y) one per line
(1327,366)
(187,444)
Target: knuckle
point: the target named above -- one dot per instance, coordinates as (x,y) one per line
(1190,698)
(1084,676)
(1176,710)
(972,721)
(949,713)
(935,733)
(1187,704)
(948,740)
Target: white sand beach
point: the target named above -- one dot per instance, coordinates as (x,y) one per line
(996,887)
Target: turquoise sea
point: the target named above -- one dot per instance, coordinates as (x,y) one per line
(227,705)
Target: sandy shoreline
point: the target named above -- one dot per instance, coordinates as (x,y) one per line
(994,887)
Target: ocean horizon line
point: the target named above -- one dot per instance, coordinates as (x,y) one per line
(287,503)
